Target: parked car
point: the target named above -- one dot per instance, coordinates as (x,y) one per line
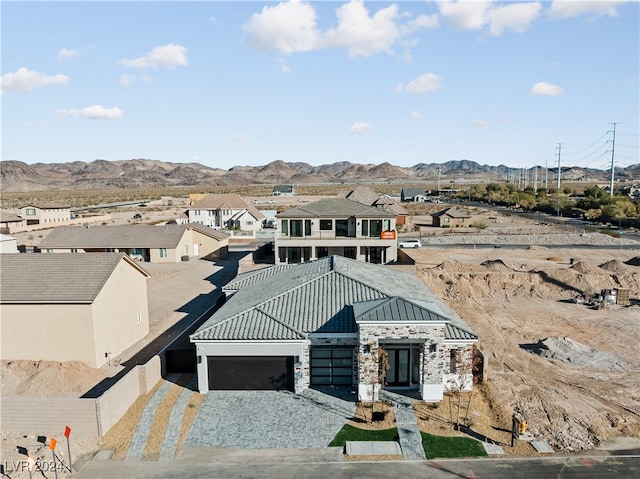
(137,216)
(409,243)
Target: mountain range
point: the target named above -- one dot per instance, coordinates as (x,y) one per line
(143,173)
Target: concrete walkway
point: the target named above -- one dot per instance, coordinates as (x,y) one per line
(408,432)
(172,434)
(139,440)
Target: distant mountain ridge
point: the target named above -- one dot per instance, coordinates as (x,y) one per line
(137,173)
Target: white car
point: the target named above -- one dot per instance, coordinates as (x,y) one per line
(409,243)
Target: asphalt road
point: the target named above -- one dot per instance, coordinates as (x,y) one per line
(206,466)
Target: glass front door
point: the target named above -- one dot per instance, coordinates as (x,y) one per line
(399,367)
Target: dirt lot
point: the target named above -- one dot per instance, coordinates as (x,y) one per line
(581,386)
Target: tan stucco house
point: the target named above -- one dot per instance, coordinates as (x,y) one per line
(10,222)
(320,324)
(450,218)
(71,307)
(336,226)
(169,243)
(45,213)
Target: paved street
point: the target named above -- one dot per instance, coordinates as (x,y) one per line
(268,464)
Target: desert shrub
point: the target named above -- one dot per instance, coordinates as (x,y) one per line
(481,225)
(613,234)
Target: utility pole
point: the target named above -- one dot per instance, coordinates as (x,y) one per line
(613,150)
(559,149)
(438,179)
(546,174)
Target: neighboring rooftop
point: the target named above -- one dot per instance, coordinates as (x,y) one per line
(124,236)
(335,208)
(227,201)
(57,278)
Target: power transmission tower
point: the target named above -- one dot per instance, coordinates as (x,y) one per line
(613,150)
(559,149)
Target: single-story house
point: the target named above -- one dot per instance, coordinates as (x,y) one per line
(9,222)
(416,195)
(71,307)
(283,190)
(8,244)
(46,213)
(321,323)
(169,243)
(450,218)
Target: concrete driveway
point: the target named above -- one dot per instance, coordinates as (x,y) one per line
(270,419)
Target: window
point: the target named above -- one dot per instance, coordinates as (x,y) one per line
(249,222)
(196,212)
(31,211)
(322,251)
(342,227)
(453,361)
(284,228)
(282,255)
(296,228)
(350,252)
(376,228)
(306,253)
(365,228)
(49,250)
(163,252)
(445,219)
(460,220)
(74,250)
(138,317)
(307,227)
(326,225)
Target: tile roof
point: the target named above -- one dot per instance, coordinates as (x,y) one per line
(315,297)
(335,208)
(57,277)
(228,201)
(124,236)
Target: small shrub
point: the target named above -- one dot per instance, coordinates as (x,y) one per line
(613,234)
(481,225)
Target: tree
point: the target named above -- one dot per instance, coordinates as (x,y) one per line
(374,364)
(460,380)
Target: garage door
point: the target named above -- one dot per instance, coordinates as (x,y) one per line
(250,373)
(331,366)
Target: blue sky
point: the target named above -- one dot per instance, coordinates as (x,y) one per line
(247,83)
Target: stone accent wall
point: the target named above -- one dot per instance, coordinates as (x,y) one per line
(433,364)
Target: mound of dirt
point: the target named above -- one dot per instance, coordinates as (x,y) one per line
(570,351)
(635,261)
(614,266)
(48,378)
(585,268)
(497,266)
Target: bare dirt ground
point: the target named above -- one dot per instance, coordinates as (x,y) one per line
(585,388)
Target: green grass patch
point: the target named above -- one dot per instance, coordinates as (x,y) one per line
(444,446)
(350,433)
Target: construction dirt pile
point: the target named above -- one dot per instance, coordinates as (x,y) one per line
(581,385)
(47,378)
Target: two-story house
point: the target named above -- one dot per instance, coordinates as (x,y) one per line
(336,226)
(225,211)
(45,213)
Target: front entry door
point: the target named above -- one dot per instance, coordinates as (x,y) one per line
(399,364)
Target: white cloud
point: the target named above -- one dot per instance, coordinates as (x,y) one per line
(416,115)
(127,80)
(167,56)
(284,67)
(66,54)
(291,27)
(467,15)
(26,80)
(94,112)
(516,17)
(360,127)
(546,89)
(361,34)
(425,83)
(567,9)
(212,19)
(240,137)
(479,122)
(288,27)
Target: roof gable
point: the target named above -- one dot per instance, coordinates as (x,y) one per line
(396,309)
(57,278)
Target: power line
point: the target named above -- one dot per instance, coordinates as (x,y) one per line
(613,152)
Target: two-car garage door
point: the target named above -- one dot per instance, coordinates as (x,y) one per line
(250,372)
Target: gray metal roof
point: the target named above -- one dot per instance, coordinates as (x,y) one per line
(396,309)
(57,278)
(318,296)
(410,192)
(124,236)
(335,208)
(452,212)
